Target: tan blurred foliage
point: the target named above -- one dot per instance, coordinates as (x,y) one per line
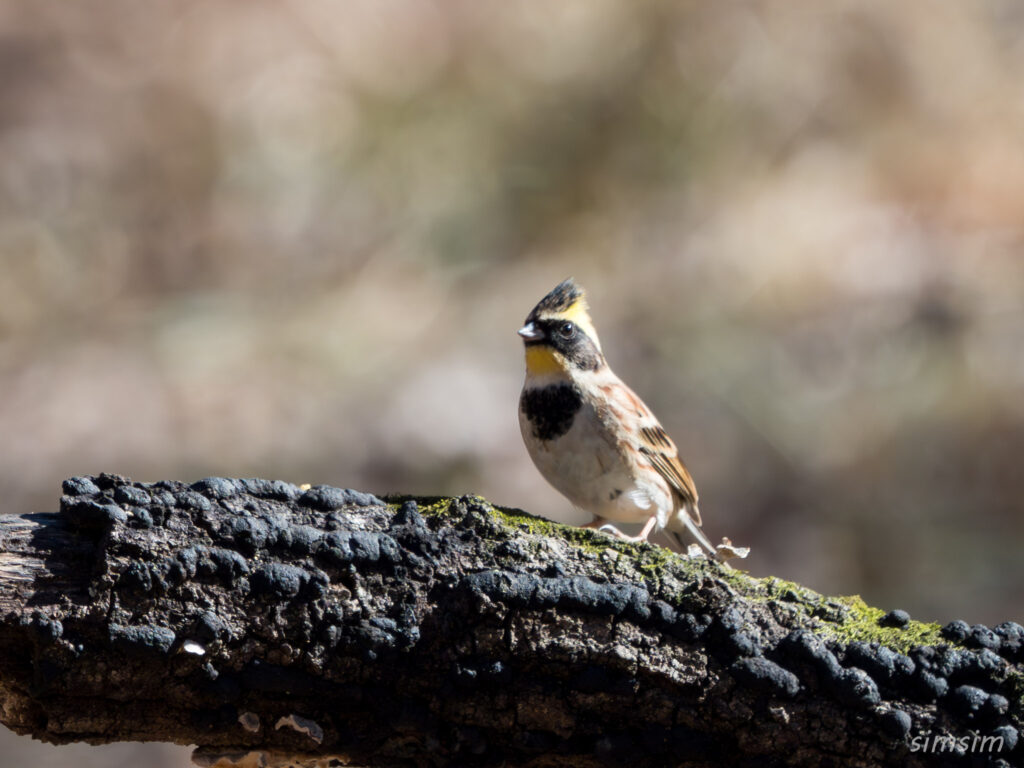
(295,240)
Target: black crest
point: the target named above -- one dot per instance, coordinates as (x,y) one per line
(563,296)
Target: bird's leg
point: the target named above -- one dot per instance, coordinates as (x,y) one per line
(648,527)
(605,527)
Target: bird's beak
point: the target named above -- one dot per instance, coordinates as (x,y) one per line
(530,332)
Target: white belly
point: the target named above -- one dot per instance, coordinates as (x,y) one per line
(586,466)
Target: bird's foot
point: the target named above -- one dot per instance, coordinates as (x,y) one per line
(601,525)
(610,529)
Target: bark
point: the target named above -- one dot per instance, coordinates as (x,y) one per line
(253,618)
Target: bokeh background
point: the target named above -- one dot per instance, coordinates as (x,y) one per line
(295,240)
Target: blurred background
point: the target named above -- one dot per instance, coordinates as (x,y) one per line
(295,240)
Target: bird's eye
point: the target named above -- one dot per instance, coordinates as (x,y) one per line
(567,330)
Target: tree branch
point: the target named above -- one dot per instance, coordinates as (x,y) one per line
(252,616)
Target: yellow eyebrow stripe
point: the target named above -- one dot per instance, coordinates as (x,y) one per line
(578,314)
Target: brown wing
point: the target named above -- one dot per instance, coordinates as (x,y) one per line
(656,446)
(663,454)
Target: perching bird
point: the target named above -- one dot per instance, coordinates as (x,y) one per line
(590,436)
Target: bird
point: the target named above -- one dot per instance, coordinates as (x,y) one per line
(592,437)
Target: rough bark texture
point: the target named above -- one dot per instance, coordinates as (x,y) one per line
(248,615)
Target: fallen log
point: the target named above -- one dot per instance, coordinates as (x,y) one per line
(266,623)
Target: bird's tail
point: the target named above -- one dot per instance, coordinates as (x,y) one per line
(682,522)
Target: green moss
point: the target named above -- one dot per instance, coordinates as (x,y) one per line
(847,619)
(524,521)
(428,505)
(1015,683)
(647,561)
(862,623)
(779,589)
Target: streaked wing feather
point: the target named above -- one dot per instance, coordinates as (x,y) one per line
(657,446)
(666,460)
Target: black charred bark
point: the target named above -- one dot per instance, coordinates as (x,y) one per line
(247,615)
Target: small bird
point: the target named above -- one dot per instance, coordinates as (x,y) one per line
(589,434)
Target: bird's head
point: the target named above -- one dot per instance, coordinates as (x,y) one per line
(559,335)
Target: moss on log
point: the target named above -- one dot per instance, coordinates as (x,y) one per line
(252,617)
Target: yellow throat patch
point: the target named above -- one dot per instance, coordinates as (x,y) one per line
(542,360)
